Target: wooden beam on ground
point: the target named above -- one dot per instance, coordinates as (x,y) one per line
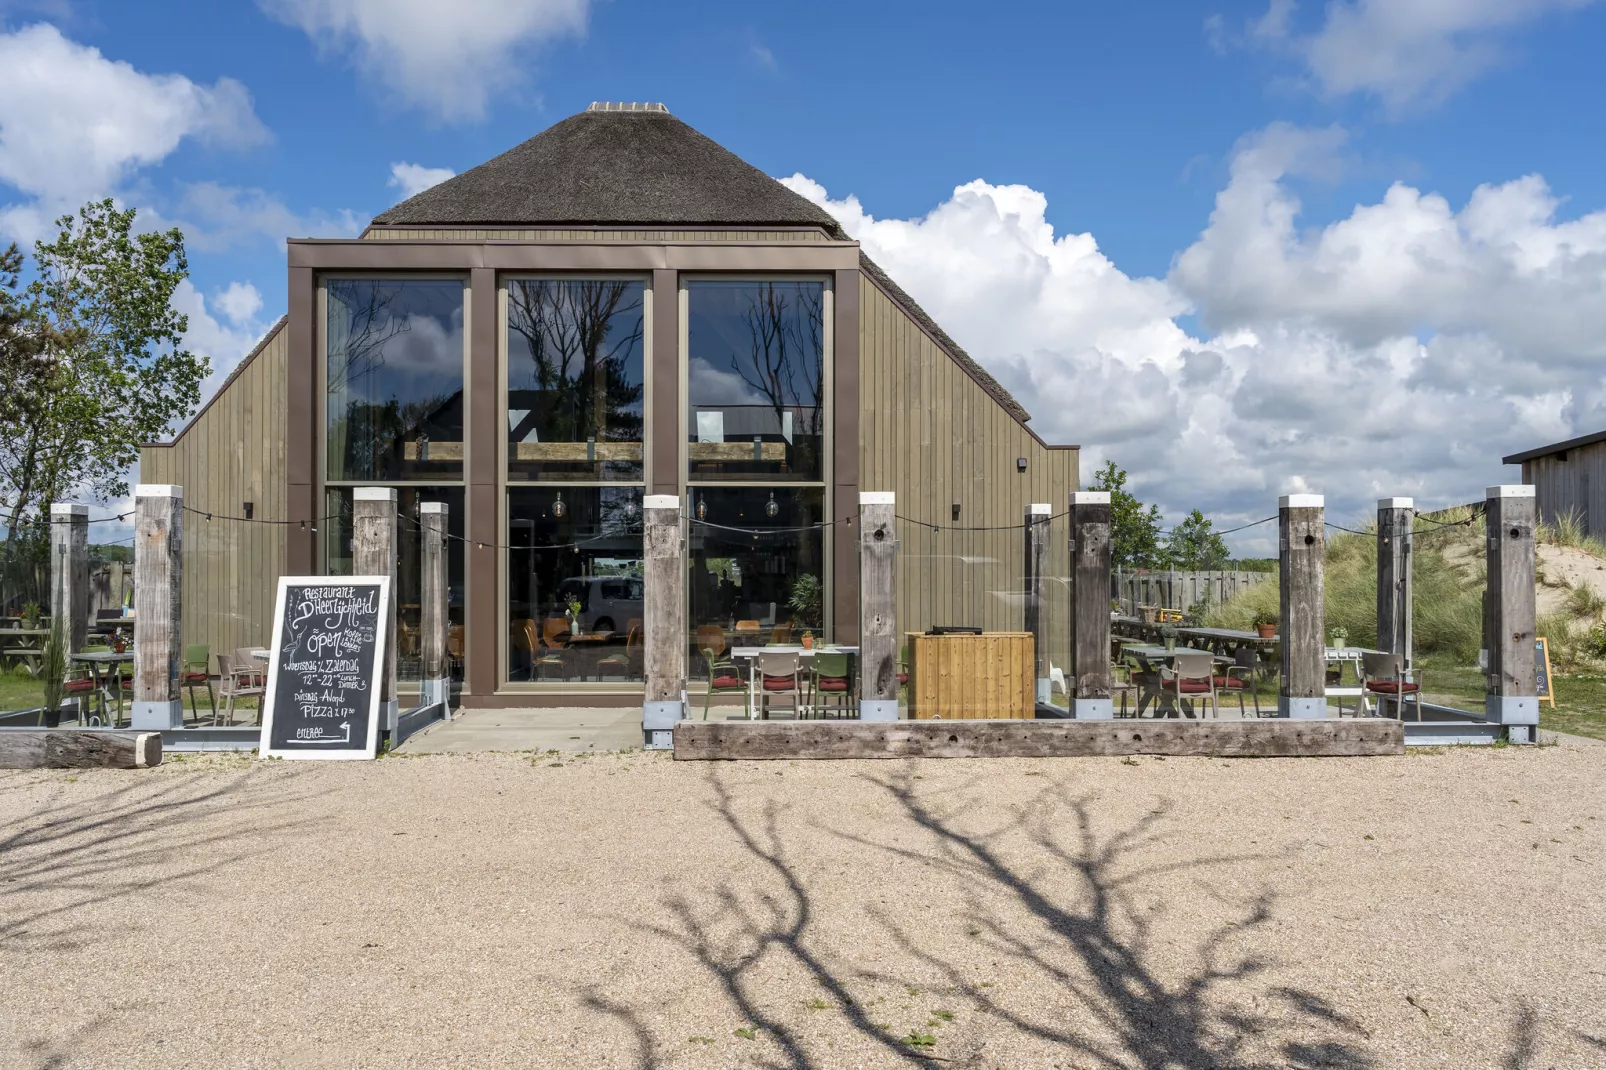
(71,748)
(1302,542)
(1395,519)
(731,740)
(159,606)
(1509,518)
(878,607)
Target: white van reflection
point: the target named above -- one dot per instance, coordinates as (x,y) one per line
(607,603)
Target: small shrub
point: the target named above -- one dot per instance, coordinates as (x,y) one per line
(1585,601)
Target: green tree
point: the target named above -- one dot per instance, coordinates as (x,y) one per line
(1134,528)
(1193,546)
(93,363)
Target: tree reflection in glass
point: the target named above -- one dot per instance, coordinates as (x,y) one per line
(575,379)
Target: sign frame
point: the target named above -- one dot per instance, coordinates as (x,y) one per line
(370,748)
(1542,658)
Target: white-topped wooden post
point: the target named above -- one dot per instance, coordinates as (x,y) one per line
(158,606)
(1036,571)
(435,684)
(1090,606)
(69,574)
(1396,517)
(1302,542)
(878,607)
(664,615)
(1513,698)
(373,544)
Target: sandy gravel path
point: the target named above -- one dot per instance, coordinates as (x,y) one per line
(1432,910)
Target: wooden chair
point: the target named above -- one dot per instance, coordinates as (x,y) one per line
(781,674)
(711,643)
(1191,679)
(1386,676)
(830,676)
(1239,679)
(197,670)
(454,646)
(621,661)
(549,650)
(781,634)
(236,681)
(520,653)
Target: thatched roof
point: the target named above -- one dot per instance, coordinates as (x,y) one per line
(612,168)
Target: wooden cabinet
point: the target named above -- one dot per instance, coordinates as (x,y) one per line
(971,677)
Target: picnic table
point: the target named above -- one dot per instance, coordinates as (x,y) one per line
(23,645)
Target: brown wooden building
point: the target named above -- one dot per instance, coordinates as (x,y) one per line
(616,307)
(1569,478)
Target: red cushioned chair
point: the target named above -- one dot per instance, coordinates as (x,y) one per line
(831,684)
(723,676)
(781,674)
(1191,679)
(1386,677)
(1239,679)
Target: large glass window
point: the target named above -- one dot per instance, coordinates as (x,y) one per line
(757,561)
(575,389)
(394,379)
(755,379)
(338,561)
(575,599)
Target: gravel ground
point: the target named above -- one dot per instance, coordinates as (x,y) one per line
(1437,909)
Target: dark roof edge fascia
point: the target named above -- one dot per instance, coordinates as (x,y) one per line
(594,225)
(1545,451)
(272,333)
(898,296)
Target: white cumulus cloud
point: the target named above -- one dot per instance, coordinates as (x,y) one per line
(1399,350)
(446,59)
(239,302)
(1405,52)
(74,124)
(225,341)
(413,179)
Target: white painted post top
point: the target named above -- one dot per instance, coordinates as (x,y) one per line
(373,494)
(662,501)
(1090,497)
(1301,501)
(1510,490)
(68,509)
(158,490)
(877,497)
(1040,509)
(432,507)
(1396,503)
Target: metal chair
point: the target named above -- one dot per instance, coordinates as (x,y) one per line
(549,650)
(831,675)
(724,678)
(1241,684)
(622,660)
(197,670)
(1191,680)
(236,681)
(1386,676)
(781,674)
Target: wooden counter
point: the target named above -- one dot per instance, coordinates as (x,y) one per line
(970,677)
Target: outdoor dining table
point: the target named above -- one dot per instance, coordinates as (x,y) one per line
(103,666)
(752,653)
(1166,701)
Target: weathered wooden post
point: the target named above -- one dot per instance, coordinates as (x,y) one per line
(1036,571)
(158,606)
(1090,605)
(878,607)
(1302,541)
(435,684)
(69,574)
(1396,517)
(373,537)
(664,647)
(1512,690)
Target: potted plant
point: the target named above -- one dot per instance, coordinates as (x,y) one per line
(1339,636)
(574,616)
(119,642)
(1266,625)
(30,615)
(808,640)
(53,667)
(805,600)
(1168,632)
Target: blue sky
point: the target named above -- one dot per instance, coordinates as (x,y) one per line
(1262,337)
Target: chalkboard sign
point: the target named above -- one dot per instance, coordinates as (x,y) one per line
(323,680)
(1542,670)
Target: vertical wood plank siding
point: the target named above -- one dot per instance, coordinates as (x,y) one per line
(1576,485)
(932,435)
(233,452)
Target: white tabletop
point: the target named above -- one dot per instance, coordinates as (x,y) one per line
(790,648)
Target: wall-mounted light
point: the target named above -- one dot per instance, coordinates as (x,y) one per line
(956,511)
(1020,464)
(250,507)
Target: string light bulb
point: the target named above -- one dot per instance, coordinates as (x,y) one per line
(630,509)
(773,508)
(702,509)
(558,508)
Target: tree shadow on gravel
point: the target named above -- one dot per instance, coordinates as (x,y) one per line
(90,854)
(1093,940)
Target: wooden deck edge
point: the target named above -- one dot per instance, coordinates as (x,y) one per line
(1272,738)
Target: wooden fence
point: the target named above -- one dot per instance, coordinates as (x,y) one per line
(1180,590)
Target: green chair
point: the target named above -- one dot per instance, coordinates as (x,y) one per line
(831,681)
(197,662)
(723,678)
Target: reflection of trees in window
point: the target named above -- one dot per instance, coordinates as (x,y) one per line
(376,432)
(583,340)
(357,338)
(785,360)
